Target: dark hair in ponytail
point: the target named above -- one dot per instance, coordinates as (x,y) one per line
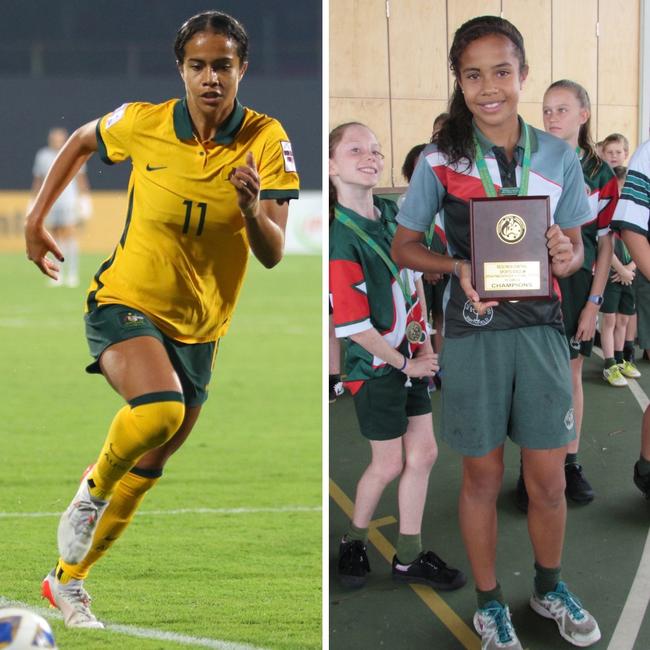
(585,141)
(455,137)
(336,135)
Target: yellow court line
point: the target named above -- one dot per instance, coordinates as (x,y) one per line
(384,521)
(432,600)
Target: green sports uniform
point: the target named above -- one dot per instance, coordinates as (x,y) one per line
(633,213)
(602,192)
(618,298)
(364,294)
(511,362)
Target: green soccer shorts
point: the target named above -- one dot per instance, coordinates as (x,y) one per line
(507,383)
(193,362)
(575,292)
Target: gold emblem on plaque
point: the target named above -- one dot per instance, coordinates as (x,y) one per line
(414,332)
(511,228)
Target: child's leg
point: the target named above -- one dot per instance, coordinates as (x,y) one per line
(421,451)
(482,477)
(620,331)
(607,325)
(386,465)
(578,400)
(630,336)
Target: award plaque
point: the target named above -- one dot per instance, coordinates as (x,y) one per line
(510,260)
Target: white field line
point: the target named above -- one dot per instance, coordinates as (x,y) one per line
(140,632)
(636,604)
(181,511)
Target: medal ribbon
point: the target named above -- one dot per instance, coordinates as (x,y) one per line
(339,215)
(486,179)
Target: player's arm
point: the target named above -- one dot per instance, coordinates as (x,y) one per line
(639,248)
(79,147)
(265,221)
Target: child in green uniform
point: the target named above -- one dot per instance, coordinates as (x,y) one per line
(378,307)
(515,354)
(567,115)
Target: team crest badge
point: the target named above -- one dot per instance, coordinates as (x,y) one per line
(569,419)
(473,318)
(131,320)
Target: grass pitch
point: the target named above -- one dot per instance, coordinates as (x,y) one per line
(247,575)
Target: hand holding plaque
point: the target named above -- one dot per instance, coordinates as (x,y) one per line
(510,259)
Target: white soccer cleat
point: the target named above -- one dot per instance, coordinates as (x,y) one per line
(73,601)
(77,525)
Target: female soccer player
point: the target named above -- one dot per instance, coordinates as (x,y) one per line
(379,308)
(210,179)
(567,115)
(506,365)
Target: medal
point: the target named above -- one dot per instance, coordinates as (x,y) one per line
(414,332)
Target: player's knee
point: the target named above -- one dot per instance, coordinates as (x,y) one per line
(158,416)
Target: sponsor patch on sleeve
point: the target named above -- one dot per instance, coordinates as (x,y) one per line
(116,116)
(287,154)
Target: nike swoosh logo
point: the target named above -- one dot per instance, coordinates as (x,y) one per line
(154,169)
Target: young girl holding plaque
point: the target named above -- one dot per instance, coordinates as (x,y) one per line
(567,115)
(379,308)
(515,353)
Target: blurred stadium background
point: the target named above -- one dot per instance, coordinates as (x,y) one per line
(66,62)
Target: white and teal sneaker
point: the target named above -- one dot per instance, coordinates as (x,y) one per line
(494,626)
(576,624)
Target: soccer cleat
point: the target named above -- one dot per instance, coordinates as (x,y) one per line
(494,626)
(578,488)
(521,494)
(576,624)
(629,369)
(613,376)
(642,482)
(429,569)
(72,599)
(353,563)
(77,525)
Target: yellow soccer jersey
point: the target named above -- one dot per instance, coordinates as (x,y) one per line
(184,251)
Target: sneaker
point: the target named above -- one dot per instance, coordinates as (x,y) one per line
(336,391)
(614,377)
(578,488)
(628,369)
(77,525)
(429,569)
(353,563)
(576,624)
(72,599)
(494,626)
(642,482)
(521,494)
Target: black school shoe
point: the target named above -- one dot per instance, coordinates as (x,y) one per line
(578,488)
(429,569)
(353,563)
(642,482)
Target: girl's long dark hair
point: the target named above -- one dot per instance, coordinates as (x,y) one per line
(336,135)
(585,141)
(455,137)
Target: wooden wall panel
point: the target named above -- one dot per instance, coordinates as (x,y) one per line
(532,113)
(618,119)
(459,11)
(358,48)
(533,20)
(374,113)
(412,124)
(575,46)
(618,60)
(418,49)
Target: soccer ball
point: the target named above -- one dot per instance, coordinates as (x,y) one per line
(21,629)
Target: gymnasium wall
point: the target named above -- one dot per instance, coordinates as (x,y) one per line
(388,68)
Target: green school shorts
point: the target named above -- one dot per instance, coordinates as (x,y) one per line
(384,405)
(193,362)
(575,292)
(618,299)
(507,383)
(641,287)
